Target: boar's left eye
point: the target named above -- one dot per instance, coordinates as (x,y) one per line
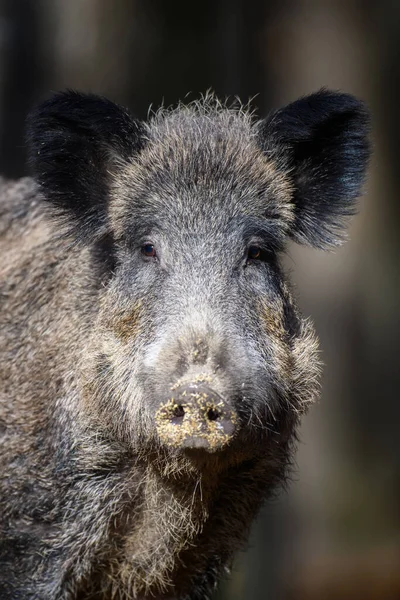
(254,253)
(257,254)
(149,250)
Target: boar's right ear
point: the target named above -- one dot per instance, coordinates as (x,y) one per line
(321,142)
(73,141)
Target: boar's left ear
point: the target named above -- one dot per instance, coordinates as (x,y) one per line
(322,142)
(74,140)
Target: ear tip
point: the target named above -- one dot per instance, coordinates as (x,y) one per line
(337,100)
(80,107)
(48,109)
(298,118)
(61,98)
(73,112)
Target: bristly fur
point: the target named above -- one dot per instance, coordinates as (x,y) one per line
(325,138)
(80,137)
(95,335)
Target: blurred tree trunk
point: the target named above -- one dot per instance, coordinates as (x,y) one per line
(21,78)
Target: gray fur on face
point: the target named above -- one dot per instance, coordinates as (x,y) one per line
(155,363)
(203,193)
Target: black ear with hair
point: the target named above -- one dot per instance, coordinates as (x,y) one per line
(322,141)
(73,141)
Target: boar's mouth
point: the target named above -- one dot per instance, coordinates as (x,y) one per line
(196,417)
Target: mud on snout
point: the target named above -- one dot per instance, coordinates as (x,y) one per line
(196,416)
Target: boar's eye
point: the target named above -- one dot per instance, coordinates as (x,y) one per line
(254,253)
(149,250)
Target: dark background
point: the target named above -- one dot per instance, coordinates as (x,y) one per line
(335,534)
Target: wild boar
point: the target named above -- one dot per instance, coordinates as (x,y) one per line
(154,366)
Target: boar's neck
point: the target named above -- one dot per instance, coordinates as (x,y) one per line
(141,543)
(167,519)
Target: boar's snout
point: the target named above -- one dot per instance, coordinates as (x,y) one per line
(195,416)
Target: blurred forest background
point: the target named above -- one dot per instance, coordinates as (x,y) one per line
(336,533)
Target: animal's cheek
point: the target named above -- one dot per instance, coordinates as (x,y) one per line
(123,324)
(277,348)
(112,398)
(270,315)
(111,359)
(306,366)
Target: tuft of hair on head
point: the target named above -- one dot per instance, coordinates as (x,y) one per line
(73,141)
(207,106)
(322,143)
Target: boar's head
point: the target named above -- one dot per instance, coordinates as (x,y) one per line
(197,346)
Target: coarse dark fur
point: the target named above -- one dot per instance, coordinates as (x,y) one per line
(94,333)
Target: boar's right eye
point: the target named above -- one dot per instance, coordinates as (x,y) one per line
(254,253)
(258,254)
(149,250)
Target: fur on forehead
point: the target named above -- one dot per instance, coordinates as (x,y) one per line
(198,158)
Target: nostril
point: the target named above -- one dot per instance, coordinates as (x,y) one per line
(177,414)
(212,414)
(178,411)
